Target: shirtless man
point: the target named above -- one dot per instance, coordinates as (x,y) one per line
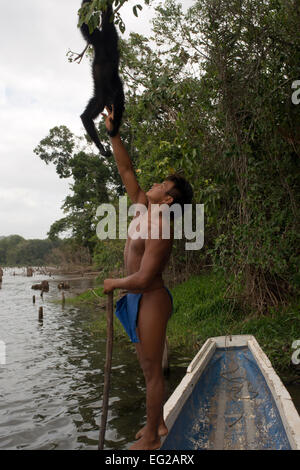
(145,260)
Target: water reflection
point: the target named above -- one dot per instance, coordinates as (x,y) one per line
(51,385)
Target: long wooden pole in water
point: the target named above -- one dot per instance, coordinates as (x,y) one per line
(109,348)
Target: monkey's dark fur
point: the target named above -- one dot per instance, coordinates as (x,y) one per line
(108,87)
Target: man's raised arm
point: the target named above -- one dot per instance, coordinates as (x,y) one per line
(124,165)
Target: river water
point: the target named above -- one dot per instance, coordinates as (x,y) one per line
(52,380)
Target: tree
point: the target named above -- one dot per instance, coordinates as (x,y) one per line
(16,251)
(95,180)
(90,12)
(212,95)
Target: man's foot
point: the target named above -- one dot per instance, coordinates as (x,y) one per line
(162,431)
(146,444)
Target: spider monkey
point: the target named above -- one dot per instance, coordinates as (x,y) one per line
(108,87)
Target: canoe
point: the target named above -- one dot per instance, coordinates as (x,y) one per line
(231,398)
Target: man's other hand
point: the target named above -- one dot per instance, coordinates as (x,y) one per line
(108,286)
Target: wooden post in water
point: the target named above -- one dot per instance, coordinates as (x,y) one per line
(109,347)
(29,272)
(33,299)
(41,313)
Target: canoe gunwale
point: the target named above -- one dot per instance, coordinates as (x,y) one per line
(288,413)
(182,392)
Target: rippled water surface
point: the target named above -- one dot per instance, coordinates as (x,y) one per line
(51,384)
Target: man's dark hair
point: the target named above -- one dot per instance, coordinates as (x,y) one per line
(181,192)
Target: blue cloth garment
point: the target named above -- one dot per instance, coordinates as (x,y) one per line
(127,309)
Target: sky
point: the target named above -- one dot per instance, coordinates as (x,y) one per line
(40,89)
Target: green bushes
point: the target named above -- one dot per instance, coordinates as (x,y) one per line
(202,310)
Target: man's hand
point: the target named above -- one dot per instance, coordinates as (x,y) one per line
(109,118)
(108,285)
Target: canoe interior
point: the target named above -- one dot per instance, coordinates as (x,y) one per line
(231,407)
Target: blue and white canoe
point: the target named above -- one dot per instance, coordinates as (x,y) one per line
(231,398)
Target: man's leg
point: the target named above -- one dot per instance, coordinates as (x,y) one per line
(154,312)
(162,428)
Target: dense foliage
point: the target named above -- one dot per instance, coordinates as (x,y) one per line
(16,251)
(211,94)
(95,180)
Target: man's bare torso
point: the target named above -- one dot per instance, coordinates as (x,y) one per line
(133,254)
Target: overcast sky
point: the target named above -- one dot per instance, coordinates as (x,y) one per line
(40,89)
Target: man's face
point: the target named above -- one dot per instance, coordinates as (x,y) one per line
(157,193)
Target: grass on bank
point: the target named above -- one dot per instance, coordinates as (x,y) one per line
(201,310)
(91,296)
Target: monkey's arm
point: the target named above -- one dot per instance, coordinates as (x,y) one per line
(92,110)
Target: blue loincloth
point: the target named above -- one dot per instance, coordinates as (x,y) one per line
(127,309)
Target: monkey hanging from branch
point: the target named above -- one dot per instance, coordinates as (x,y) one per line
(108,87)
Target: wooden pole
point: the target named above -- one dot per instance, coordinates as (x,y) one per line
(109,347)
(41,313)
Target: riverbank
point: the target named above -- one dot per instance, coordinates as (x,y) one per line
(201,310)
